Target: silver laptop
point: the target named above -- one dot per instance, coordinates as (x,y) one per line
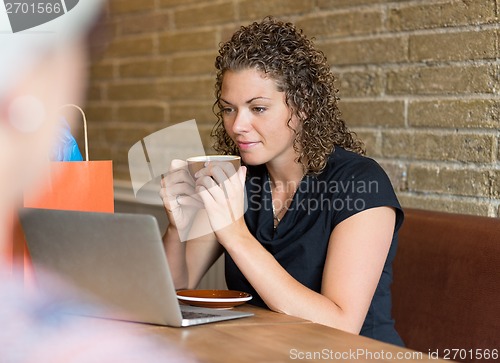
(116,258)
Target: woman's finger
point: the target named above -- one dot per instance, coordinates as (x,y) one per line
(219,212)
(189,201)
(242,174)
(176,172)
(234,185)
(218,174)
(176,165)
(235,189)
(177,176)
(221,172)
(211,186)
(179,188)
(172,201)
(215,167)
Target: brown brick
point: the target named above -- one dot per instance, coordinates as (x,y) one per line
(453,46)
(98,113)
(121,173)
(227,31)
(119,153)
(131,6)
(370,138)
(194,64)
(445,204)
(373,113)
(171,42)
(130,46)
(209,14)
(498,149)
(196,89)
(144,68)
(95,92)
(145,23)
(454,147)
(202,112)
(334,4)
(433,15)
(381,50)
(124,134)
(257,9)
(471,113)
(141,114)
(495,184)
(443,80)
(342,24)
(441,180)
(398,144)
(108,29)
(174,3)
(397,173)
(100,152)
(95,138)
(359,84)
(102,71)
(132,91)
(438,146)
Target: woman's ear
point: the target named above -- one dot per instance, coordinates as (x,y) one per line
(296,121)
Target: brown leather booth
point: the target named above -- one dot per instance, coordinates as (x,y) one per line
(446,290)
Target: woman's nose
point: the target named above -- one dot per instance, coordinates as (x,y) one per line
(242,122)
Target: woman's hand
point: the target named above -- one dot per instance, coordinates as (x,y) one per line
(179,197)
(222,191)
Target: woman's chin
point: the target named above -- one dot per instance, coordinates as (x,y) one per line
(252,160)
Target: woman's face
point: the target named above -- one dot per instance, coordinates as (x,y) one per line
(256,117)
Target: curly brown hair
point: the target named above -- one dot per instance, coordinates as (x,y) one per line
(285,54)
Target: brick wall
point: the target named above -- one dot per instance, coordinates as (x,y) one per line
(419,81)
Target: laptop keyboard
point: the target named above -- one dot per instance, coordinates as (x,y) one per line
(196,315)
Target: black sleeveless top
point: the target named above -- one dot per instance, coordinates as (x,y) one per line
(349,184)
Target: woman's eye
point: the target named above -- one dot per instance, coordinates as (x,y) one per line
(259,109)
(226,110)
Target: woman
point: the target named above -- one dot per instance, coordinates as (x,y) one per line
(320,232)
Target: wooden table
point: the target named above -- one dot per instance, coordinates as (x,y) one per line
(273,337)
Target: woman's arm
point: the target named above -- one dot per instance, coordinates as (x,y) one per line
(357,251)
(188,258)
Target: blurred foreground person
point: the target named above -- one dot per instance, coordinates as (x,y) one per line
(42,69)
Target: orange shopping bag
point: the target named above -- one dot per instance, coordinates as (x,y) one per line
(74,185)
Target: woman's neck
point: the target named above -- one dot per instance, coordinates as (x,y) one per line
(286,176)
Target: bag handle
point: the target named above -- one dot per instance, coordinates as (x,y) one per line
(84,128)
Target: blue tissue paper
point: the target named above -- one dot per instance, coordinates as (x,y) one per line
(66,148)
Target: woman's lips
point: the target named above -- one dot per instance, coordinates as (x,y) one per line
(247,145)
